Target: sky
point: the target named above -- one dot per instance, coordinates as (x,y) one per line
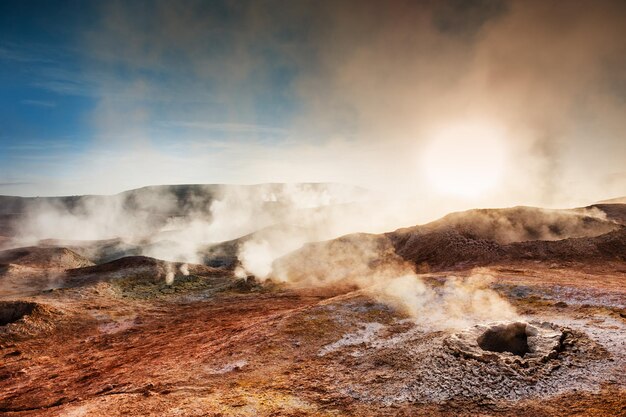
(491,102)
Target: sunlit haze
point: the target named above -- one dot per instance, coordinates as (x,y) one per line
(452,104)
(465,159)
(315,208)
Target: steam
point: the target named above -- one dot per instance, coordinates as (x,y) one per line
(181,223)
(240,273)
(520,224)
(368,262)
(458,303)
(257,225)
(369,87)
(170,274)
(91,217)
(303,235)
(257,256)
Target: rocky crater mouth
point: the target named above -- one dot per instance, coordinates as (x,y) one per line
(12,311)
(501,338)
(521,342)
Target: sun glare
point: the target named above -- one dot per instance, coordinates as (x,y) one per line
(464,160)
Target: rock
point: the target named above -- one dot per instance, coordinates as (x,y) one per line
(516,344)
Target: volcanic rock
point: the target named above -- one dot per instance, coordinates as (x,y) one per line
(44,257)
(525,344)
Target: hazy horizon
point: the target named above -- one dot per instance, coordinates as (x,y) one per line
(458,103)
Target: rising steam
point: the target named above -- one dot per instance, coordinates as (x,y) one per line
(368,262)
(300,235)
(458,303)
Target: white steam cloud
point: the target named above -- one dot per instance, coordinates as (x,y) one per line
(458,303)
(372,85)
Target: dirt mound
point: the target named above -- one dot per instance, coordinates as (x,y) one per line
(20,280)
(451,250)
(615,212)
(482,237)
(22,318)
(44,257)
(143,262)
(608,247)
(559,355)
(519,224)
(445,249)
(127,262)
(97,251)
(144,277)
(355,256)
(464,240)
(12,311)
(515,343)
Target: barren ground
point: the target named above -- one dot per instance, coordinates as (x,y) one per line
(214,349)
(119,338)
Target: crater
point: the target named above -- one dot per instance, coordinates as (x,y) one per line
(12,311)
(510,338)
(524,343)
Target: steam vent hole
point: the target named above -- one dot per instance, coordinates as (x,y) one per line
(505,338)
(12,311)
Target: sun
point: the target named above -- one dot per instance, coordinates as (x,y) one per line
(464,160)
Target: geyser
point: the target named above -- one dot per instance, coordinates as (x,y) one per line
(505,338)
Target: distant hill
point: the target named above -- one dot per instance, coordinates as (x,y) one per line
(468,239)
(481,237)
(44,257)
(617,200)
(155,205)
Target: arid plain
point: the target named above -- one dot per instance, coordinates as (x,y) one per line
(491,312)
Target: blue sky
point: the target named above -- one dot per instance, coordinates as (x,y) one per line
(66,92)
(99,97)
(39,123)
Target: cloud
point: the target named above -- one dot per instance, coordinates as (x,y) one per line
(34,145)
(30,54)
(391,75)
(39,103)
(354,92)
(12,184)
(226,127)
